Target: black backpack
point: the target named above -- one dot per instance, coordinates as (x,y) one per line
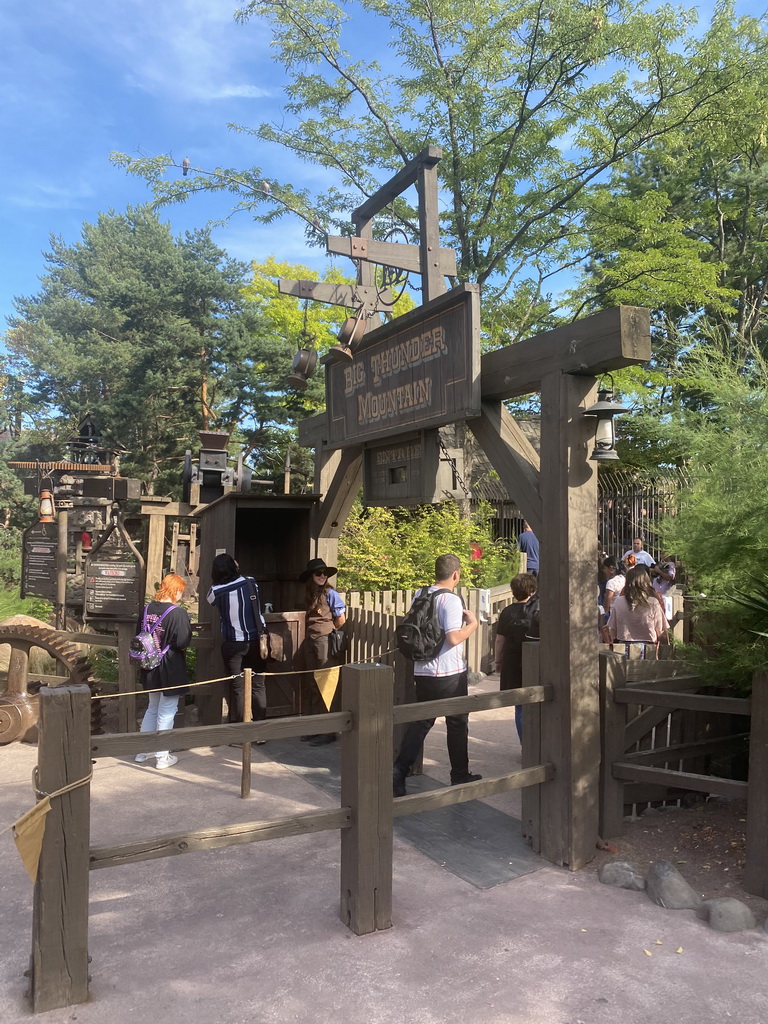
(420,636)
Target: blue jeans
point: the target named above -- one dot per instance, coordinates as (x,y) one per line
(159,715)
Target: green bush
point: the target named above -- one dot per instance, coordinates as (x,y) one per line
(396,548)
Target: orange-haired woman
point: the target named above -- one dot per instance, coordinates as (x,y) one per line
(172,632)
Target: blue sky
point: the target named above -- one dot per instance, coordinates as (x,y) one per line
(81,78)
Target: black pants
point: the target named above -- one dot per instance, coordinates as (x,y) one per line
(456,726)
(233,654)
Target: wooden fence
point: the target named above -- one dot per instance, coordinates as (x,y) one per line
(635,697)
(59,963)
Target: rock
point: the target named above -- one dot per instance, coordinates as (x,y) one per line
(727,914)
(622,874)
(666,887)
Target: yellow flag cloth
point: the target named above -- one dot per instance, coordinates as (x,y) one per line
(28,833)
(327,680)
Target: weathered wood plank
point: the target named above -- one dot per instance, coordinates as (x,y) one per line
(448,795)
(59,963)
(530,798)
(512,456)
(680,780)
(350,295)
(756,870)
(340,480)
(605,341)
(119,745)
(474,702)
(691,701)
(570,725)
(175,843)
(613,718)
(366,788)
(389,254)
(383,196)
(685,751)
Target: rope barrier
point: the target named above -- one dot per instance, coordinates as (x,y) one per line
(224,679)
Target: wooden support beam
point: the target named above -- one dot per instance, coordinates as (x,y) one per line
(530,798)
(428,157)
(613,743)
(432,276)
(313,431)
(366,788)
(340,478)
(350,295)
(689,701)
(606,341)
(155,554)
(512,456)
(59,963)
(449,795)
(570,729)
(391,254)
(681,780)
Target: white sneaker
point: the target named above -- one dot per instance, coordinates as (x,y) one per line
(141,758)
(167,762)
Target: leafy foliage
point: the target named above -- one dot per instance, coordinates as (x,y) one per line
(396,548)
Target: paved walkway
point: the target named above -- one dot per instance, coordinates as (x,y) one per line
(252,933)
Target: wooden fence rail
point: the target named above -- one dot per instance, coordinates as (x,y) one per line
(59,973)
(619,767)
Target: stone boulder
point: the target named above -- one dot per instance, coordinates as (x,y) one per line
(727,915)
(622,875)
(666,887)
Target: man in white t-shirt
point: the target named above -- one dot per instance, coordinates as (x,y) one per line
(441,677)
(642,556)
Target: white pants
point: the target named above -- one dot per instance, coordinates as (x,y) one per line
(159,715)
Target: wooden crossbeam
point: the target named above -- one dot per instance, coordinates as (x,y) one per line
(680,780)
(390,254)
(689,701)
(428,157)
(352,295)
(606,341)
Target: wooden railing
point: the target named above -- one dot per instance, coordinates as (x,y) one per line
(653,689)
(59,975)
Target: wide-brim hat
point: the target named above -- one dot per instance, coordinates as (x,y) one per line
(315,565)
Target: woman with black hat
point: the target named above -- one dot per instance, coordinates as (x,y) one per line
(325,612)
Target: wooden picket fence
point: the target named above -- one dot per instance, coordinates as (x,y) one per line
(59,962)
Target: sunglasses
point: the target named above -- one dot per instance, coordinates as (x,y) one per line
(324,575)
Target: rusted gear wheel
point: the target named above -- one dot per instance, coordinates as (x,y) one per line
(19,707)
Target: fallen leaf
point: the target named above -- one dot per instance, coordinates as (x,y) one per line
(659,942)
(679,949)
(648,952)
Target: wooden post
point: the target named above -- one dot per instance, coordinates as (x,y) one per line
(61,570)
(245,778)
(127,678)
(432,279)
(756,870)
(59,965)
(570,733)
(155,553)
(366,788)
(530,798)
(613,742)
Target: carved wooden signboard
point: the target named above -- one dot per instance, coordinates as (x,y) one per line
(422,370)
(38,561)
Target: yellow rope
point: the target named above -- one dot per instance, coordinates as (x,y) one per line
(223,679)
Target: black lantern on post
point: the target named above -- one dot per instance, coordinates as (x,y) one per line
(604,410)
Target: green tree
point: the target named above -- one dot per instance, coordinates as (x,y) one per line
(142,331)
(533,104)
(718,531)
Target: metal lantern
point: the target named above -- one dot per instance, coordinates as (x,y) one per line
(605,433)
(46,512)
(304,364)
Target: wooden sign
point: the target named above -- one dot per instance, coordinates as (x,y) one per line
(411,470)
(114,573)
(38,561)
(420,371)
